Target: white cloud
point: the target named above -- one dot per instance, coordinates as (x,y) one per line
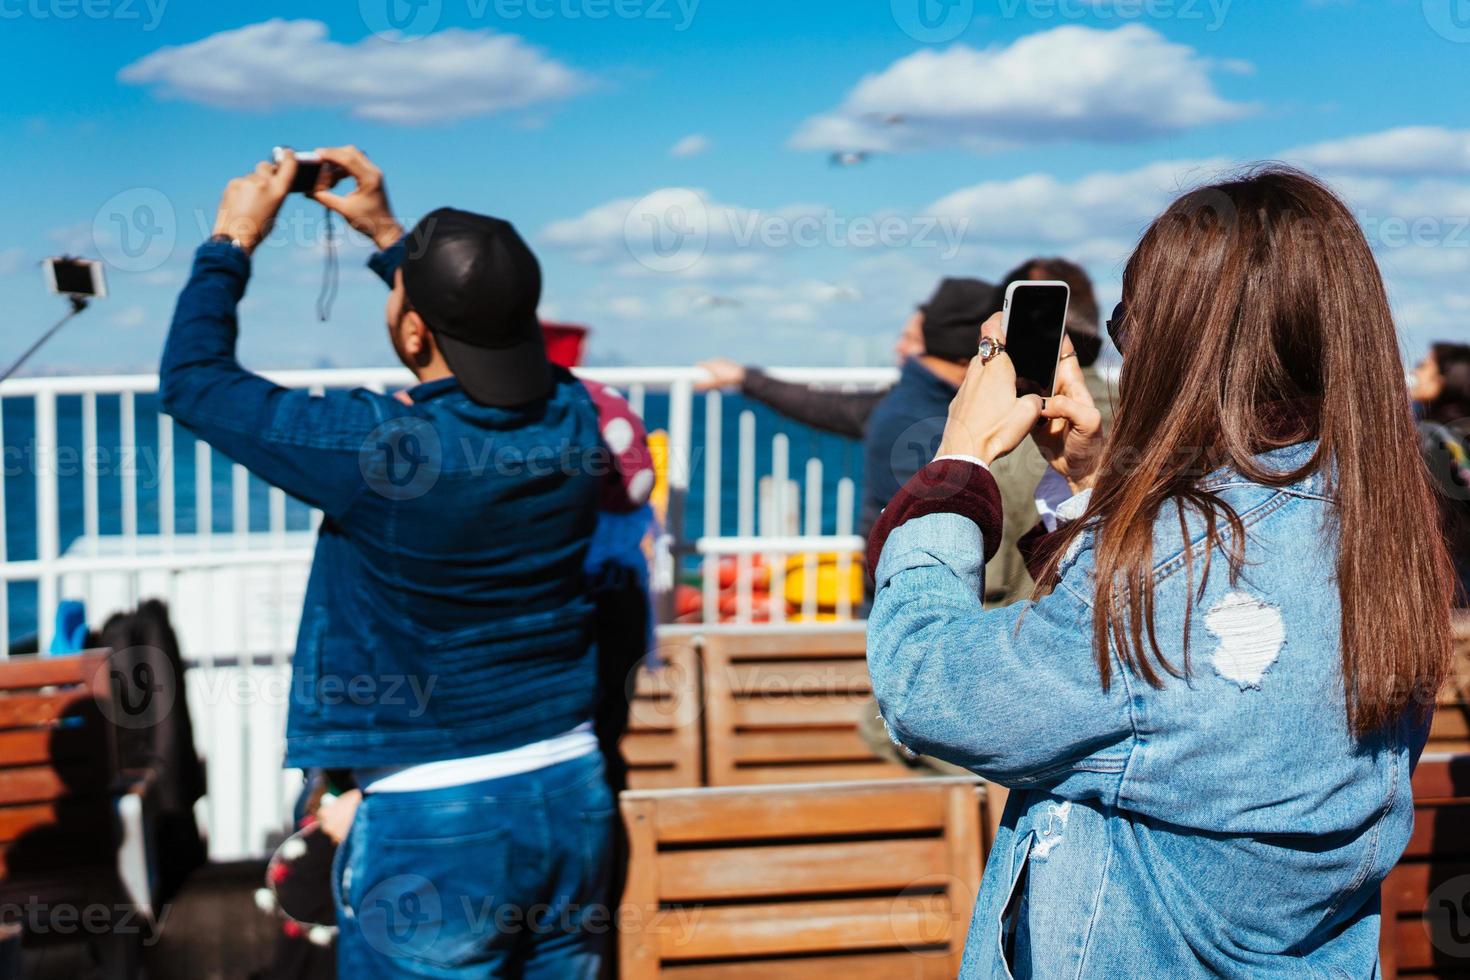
(1040,208)
(11,260)
(1069,83)
(1406,151)
(283,64)
(130,317)
(690,146)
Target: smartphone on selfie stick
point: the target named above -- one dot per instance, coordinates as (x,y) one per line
(1035,325)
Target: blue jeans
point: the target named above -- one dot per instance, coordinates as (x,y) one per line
(502,878)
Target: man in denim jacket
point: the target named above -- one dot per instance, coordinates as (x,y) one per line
(445,651)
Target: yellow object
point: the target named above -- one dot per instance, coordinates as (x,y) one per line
(830,584)
(658,447)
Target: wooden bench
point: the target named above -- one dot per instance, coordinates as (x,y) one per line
(664,745)
(783,706)
(1451,729)
(862,881)
(70,828)
(1426,899)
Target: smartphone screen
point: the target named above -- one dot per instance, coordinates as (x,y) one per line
(1035,322)
(75,277)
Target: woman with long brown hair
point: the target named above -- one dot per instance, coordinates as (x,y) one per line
(1209,713)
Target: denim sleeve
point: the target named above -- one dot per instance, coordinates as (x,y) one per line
(386,262)
(1014,693)
(306,445)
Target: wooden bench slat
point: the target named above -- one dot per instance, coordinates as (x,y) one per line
(756,815)
(799,677)
(1439,830)
(830,772)
(1407,887)
(793,644)
(1443,778)
(31,710)
(819,746)
(31,672)
(884,966)
(810,712)
(761,871)
(807,927)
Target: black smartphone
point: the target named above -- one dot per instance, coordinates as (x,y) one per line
(75,277)
(308,169)
(1035,325)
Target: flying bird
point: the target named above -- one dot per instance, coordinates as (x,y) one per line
(850,158)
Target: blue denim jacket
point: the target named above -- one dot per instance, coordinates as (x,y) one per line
(1224,825)
(446,612)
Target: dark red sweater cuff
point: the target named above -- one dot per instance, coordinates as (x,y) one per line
(945,486)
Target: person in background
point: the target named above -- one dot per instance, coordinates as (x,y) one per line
(831,410)
(1006,577)
(446,651)
(904,428)
(846,413)
(1441,394)
(933,347)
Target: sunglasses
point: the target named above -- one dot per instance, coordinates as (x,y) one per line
(1115,327)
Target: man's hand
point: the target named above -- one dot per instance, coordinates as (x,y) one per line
(723,373)
(336,817)
(250,204)
(366,209)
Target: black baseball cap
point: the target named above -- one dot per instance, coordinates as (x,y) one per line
(953,317)
(476,284)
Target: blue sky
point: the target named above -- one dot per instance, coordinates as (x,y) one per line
(993,129)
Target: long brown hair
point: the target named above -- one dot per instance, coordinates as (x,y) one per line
(1255,317)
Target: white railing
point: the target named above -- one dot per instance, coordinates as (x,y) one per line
(235,594)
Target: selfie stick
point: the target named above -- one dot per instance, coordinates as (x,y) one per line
(78,304)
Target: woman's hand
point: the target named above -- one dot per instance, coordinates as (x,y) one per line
(1072,438)
(986,419)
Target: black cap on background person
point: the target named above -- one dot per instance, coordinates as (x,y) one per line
(476,285)
(953,316)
